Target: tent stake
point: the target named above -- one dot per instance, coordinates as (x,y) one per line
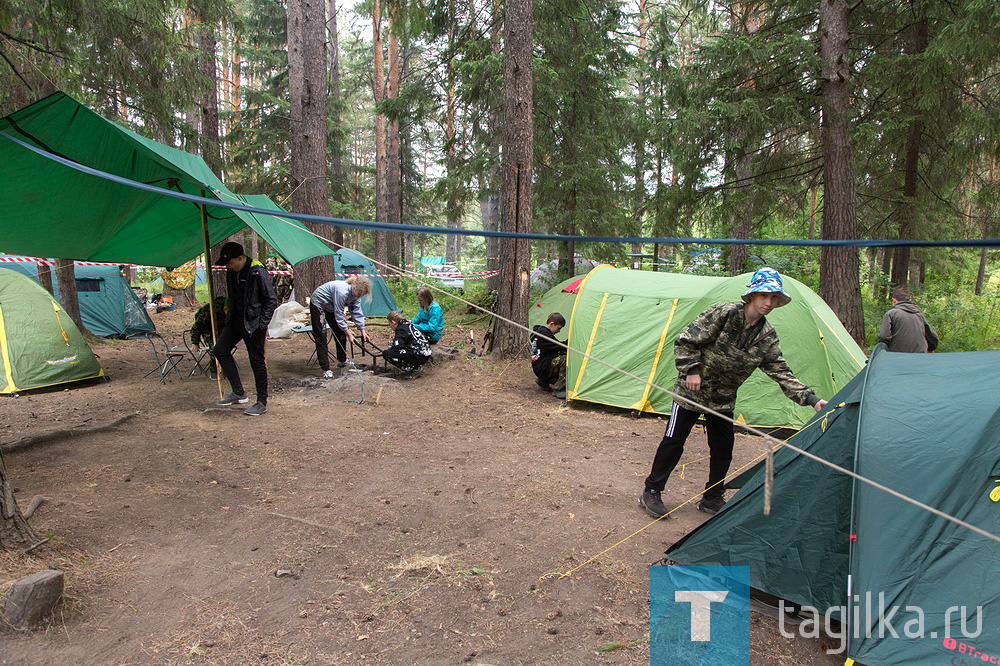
(211,291)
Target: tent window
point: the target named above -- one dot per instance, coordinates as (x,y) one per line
(352,270)
(89,284)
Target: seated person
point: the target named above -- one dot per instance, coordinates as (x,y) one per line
(548,360)
(201,331)
(409,349)
(430,317)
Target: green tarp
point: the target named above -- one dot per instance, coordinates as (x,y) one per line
(40,345)
(52,210)
(925,425)
(631,319)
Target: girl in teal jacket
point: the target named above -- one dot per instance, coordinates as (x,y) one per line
(430,318)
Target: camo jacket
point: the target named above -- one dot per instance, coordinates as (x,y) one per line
(724,350)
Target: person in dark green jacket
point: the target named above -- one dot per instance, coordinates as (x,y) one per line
(430,318)
(714,355)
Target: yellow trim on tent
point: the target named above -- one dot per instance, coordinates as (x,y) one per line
(70,381)
(55,308)
(579,290)
(833,330)
(849,662)
(590,343)
(571,395)
(5,354)
(644,405)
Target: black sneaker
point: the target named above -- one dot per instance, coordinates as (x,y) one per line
(258,409)
(234,399)
(559,393)
(711,505)
(542,383)
(652,504)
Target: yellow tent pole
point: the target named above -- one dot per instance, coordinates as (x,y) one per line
(211,291)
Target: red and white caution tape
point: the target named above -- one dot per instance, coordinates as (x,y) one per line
(476,275)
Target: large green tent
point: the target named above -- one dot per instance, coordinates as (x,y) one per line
(40,345)
(631,319)
(925,425)
(108,306)
(53,210)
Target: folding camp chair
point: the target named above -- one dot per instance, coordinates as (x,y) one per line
(166,359)
(308,329)
(197,354)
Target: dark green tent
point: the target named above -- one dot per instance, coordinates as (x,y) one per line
(925,425)
(349,262)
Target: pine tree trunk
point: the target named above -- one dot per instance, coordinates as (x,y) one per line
(393,165)
(381,237)
(911,163)
(839,279)
(453,211)
(68,297)
(338,184)
(518,188)
(45,277)
(208,121)
(14,529)
(491,202)
(307,88)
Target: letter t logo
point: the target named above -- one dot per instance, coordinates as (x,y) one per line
(701,611)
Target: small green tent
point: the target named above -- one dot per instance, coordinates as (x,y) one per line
(925,425)
(348,262)
(39,344)
(631,319)
(108,306)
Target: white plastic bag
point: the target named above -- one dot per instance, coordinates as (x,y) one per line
(287,316)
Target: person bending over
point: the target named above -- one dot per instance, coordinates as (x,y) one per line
(430,316)
(714,355)
(332,299)
(548,359)
(409,349)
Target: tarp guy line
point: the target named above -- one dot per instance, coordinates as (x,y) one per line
(417,229)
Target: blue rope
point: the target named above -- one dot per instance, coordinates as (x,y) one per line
(355,368)
(418,229)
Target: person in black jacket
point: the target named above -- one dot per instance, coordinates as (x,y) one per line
(409,349)
(251,304)
(548,359)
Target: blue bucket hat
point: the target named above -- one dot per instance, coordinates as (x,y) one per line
(767,280)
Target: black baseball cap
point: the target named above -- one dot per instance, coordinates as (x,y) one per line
(230,250)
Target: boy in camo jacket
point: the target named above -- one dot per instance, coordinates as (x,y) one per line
(714,355)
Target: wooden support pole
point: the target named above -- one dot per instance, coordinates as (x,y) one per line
(211,291)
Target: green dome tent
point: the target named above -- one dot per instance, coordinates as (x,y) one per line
(347,261)
(924,425)
(39,344)
(630,319)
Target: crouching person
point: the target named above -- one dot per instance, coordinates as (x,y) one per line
(548,359)
(409,349)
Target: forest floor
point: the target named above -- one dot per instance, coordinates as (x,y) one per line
(435,513)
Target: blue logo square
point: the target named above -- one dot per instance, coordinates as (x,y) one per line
(698,615)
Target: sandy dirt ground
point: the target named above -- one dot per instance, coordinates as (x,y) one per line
(421,527)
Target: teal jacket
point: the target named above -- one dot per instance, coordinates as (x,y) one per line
(430,322)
